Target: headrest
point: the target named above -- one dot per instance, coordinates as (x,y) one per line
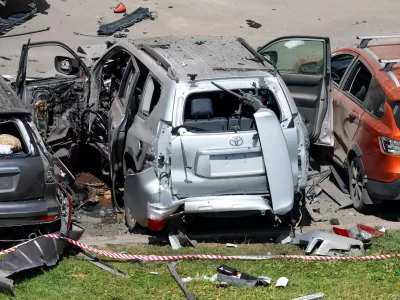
(201,108)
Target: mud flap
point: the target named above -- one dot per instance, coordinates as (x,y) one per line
(276,160)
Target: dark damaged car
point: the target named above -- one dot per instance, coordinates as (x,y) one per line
(28,188)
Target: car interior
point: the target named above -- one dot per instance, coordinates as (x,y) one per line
(221,111)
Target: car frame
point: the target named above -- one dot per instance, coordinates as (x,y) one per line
(144,144)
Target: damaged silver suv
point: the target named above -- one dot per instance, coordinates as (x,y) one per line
(203,125)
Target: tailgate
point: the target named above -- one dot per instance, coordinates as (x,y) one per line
(21,178)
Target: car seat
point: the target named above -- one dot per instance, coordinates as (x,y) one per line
(201,116)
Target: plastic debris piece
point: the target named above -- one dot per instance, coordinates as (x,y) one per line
(121,8)
(282,282)
(212,278)
(187,279)
(310,297)
(154,273)
(231,245)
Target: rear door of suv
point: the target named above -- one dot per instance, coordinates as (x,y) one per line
(305,67)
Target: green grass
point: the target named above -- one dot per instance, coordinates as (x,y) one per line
(75,278)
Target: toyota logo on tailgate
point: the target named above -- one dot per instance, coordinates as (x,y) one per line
(236,141)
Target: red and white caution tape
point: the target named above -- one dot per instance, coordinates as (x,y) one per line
(123,256)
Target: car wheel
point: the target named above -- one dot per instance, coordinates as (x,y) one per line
(130,222)
(358,192)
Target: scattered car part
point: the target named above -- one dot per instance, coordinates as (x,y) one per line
(328,244)
(25,33)
(229,245)
(310,297)
(232,276)
(282,282)
(180,240)
(41,251)
(360,232)
(335,193)
(120,8)
(253,24)
(127,21)
(17,18)
(120,35)
(3,2)
(182,285)
(102,265)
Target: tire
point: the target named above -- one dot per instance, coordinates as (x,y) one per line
(358,192)
(129,221)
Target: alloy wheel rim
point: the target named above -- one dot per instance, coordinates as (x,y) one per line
(357,185)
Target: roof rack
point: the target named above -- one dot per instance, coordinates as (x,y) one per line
(366,39)
(389,63)
(159,59)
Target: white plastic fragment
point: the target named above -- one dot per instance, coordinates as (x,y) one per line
(154,273)
(187,279)
(212,278)
(231,245)
(382,229)
(310,297)
(282,282)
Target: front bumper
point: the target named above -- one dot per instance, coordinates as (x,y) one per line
(384,190)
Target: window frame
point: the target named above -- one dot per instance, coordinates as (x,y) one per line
(347,78)
(144,113)
(125,91)
(350,66)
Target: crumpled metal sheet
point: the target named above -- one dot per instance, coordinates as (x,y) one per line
(41,251)
(15,19)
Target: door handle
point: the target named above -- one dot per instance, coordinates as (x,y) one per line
(353,115)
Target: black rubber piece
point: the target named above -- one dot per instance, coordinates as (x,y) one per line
(15,19)
(127,21)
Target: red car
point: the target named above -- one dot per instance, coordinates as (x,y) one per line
(366,109)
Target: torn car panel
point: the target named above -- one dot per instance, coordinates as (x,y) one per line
(276,160)
(324,243)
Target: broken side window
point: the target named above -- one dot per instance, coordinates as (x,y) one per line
(151,95)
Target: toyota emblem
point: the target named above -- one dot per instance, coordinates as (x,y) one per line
(236,141)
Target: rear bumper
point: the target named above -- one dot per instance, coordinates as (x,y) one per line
(211,204)
(384,190)
(30,212)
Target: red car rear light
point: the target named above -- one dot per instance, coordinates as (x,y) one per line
(156,225)
(48,218)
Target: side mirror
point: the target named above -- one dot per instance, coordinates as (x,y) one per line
(66,65)
(271,55)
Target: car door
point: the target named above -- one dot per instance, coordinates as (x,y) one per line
(117,115)
(65,73)
(305,67)
(139,135)
(350,98)
(341,63)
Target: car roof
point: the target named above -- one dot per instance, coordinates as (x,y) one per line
(9,101)
(206,56)
(389,81)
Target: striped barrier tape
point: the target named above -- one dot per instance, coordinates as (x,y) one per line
(130,257)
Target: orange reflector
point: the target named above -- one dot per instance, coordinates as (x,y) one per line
(120,9)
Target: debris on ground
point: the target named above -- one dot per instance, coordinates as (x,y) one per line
(25,33)
(329,244)
(127,21)
(180,239)
(98,191)
(282,282)
(102,265)
(182,285)
(121,8)
(231,276)
(212,278)
(253,24)
(38,252)
(334,221)
(229,245)
(17,18)
(120,35)
(360,232)
(310,297)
